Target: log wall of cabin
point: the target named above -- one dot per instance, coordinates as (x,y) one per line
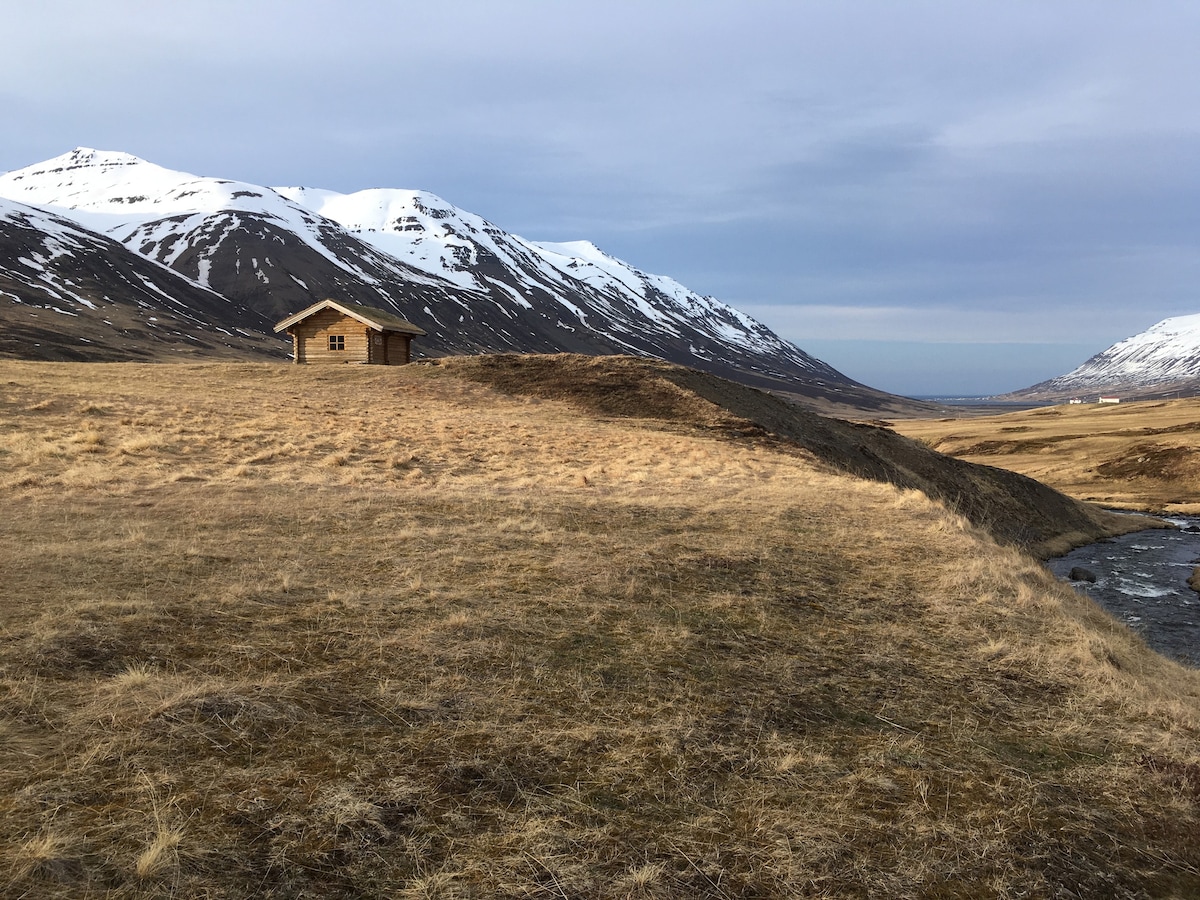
(312,338)
(398,348)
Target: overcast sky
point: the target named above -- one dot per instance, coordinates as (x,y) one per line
(952,196)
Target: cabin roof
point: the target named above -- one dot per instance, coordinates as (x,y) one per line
(374,318)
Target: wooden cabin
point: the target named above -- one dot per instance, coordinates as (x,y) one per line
(336,332)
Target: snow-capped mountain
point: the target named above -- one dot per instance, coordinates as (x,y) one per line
(1163,360)
(69,293)
(472,286)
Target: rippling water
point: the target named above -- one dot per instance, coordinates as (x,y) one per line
(1141,578)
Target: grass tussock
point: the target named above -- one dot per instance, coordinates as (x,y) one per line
(506,649)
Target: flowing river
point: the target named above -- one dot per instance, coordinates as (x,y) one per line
(1141,578)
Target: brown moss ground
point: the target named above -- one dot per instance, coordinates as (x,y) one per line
(288,632)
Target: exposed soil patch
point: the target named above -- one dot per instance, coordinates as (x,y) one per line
(1006,447)
(1152,461)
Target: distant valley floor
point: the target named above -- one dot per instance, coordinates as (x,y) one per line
(1139,456)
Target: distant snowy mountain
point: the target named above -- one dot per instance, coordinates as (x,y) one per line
(1161,361)
(472,286)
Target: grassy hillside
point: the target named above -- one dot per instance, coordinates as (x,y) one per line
(1143,456)
(286,631)
(1011,507)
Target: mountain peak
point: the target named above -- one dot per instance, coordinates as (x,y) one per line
(91,180)
(79,158)
(88,156)
(106,189)
(1181,326)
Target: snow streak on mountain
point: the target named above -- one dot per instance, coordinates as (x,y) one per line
(472,286)
(1161,360)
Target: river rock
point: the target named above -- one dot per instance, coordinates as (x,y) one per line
(1194,581)
(1079,573)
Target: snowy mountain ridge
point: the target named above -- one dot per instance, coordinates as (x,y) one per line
(104,190)
(426,232)
(140,203)
(135,201)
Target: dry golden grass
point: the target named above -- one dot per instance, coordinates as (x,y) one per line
(1141,456)
(284,632)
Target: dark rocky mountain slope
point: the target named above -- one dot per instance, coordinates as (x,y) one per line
(67,293)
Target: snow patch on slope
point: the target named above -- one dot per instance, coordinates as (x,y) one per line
(144,205)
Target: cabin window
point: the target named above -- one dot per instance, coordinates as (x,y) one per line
(337,342)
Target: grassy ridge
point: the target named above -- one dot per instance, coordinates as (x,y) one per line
(275,631)
(1011,507)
